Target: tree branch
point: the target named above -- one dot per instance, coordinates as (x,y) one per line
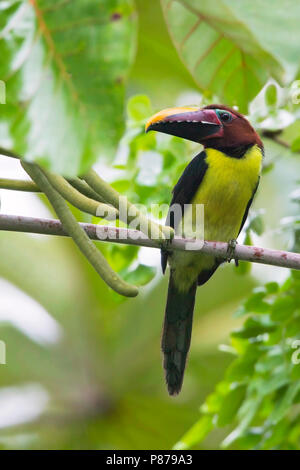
(275,136)
(125,236)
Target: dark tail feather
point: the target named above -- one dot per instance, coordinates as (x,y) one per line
(176,335)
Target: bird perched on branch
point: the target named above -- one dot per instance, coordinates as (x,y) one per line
(224,178)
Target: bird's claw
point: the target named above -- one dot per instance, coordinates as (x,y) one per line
(231,250)
(165,244)
(166,240)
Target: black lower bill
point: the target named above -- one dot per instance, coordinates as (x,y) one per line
(194,131)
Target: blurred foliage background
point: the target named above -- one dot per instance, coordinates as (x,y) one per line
(83,365)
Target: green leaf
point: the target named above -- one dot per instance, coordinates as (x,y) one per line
(121,185)
(64,64)
(139,108)
(269,363)
(257,304)
(296,275)
(285,402)
(230,405)
(262,384)
(271,95)
(229,49)
(269,29)
(257,224)
(246,414)
(196,434)
(120,256)
(244,267)
(178,147)
(295,145)
(254,327)
(272,287)
(283,308)
(274,382)
(250,439)
(248,238)
(141,276)
(266,168)
(241,369)
(277,437)
(213,402)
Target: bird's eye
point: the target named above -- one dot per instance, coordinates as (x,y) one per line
(225,116)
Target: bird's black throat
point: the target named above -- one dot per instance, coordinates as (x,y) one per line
(235,152)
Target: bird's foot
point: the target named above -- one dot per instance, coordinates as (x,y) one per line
(165,244)
(231,250)
(167,240)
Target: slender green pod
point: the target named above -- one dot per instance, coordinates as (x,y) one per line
(128,212)
(77,199)
(19,185)
(85,189)
(79,236)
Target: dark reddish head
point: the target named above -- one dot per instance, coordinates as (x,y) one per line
(215,126)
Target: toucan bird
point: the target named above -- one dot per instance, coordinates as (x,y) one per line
(224,178)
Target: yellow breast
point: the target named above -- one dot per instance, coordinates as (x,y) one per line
(225,191)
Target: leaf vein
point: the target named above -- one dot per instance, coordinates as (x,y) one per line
(208,51)
(221,65)
(189,33)
(53,51)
